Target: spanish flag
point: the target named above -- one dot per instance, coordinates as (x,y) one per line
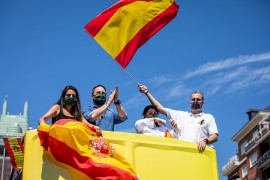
(128,24)
(14,148)
(167,133)
(76,147)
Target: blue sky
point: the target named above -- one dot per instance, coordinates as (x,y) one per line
(219,47)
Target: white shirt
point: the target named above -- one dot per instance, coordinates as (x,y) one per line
(194,127)
(147,126)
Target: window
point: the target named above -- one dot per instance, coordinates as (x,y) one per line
(244,171)
(253,159)
(243,145)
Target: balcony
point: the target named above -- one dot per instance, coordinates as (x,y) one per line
(264,135)
(260,137)
(251,143)
(264,160)
(231,166)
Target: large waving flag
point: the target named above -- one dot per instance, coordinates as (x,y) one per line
(77,148)
(128,24)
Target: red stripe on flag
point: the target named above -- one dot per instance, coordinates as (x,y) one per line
(97,23)
(10,148)
(86,165)
(43,137)
(145,34)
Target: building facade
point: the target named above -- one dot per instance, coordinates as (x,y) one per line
(252,160)
(10,126)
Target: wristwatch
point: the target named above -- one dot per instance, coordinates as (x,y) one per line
(206,140)
(117,102)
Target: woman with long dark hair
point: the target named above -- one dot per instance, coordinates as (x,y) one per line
(67,107)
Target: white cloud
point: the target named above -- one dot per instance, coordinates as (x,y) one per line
(159,80)
(135,100)
(253,79)
(248,72)
(227,63)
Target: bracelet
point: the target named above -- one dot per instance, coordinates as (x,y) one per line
(147,92)
(117,102)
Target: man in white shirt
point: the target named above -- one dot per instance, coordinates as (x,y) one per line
(195,126)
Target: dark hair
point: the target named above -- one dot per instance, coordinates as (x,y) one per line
(147,108)
(76,109)
(198,92)
(99,85)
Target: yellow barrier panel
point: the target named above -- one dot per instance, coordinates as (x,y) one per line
(153,157)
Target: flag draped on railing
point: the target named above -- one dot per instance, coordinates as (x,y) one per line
(82,152)
(14,148)
(128,24)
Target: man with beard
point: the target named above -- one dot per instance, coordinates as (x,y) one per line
(99,113)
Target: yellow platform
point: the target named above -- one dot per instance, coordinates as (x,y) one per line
(154,158)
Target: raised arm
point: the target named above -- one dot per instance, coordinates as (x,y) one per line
(120,109)
(144,89)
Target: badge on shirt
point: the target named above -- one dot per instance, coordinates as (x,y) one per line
(201,122)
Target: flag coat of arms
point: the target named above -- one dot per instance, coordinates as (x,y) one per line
(128,24)
(76,147)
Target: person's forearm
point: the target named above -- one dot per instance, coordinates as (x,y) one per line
(121,111)
(41,120)
(97,113)
(155,102)
(213,138)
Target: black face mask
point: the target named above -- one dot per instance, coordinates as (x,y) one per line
(196,104)
(100,99)
(70,101)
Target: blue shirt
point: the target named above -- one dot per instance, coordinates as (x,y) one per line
(108,120)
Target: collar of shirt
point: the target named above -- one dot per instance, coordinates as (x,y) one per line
(195,115)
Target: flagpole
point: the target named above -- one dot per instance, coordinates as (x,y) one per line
(131,76)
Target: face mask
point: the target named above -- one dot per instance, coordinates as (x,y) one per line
(100,99)
(70,101)
(196,104)
(154,116)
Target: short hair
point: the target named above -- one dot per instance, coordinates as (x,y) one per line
(147,108)
(99,85)
(198,92)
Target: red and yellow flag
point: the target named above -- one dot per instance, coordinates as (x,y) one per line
(77,148)
(14,148)
(128,24)
(167,133)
